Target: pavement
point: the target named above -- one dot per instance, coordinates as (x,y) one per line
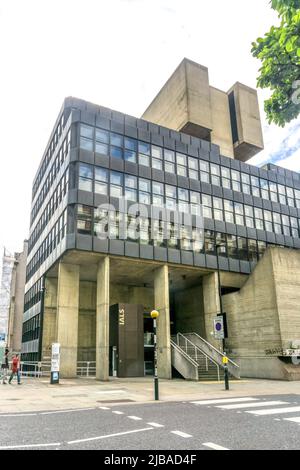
(257,422)
(38,395)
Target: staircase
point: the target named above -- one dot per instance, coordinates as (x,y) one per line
(196,359)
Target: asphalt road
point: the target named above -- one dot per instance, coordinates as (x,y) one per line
(256,423)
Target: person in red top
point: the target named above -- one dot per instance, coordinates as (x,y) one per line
(15,369)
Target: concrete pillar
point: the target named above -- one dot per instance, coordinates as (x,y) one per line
(162,304)
(49,319)
(102,321)
(67,318)
(211,302)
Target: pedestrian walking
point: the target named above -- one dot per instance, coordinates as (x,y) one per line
(15,369)
(5,366)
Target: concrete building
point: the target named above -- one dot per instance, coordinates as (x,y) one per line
(6,275)
(93,277)
(16,307)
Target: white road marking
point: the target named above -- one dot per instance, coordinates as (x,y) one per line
(156,425)
(181,434)
(110,435)
(30,446)
(103,408)
(293,409)
(110,392)
(227,400)
(134,418)
(294,420)
(16,415)
(252,405)
(66,411)
(118,412)
(211,445)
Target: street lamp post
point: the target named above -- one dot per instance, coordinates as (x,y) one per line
(220,288)
(154,316)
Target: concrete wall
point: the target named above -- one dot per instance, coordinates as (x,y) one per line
(221,125)
(87,322)
(49,320)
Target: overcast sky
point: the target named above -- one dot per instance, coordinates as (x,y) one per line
(117,53)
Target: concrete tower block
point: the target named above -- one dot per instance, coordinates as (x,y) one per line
(162,304)
(102,321)
(67,318)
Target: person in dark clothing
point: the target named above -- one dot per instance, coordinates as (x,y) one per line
(5,366)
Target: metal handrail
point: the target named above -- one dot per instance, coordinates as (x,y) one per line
(202,352)
(215,349)
(190,359)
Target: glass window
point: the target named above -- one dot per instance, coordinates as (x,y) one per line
(86,144)
(239,219)
(255,191)
(144,148)
(116,152)
(248,211)
(181,170)
(156,152)
(130,144)
(144,198)
(169,167)
(101,148)
(236,186)
(225,172)
(218,215)
(273,187)
(183,194)
(158,188)
(226,183)
(131,194)
(193,164)
(215,180)
(276,218)
(130,181)
(144,185)
(242,248)
(157,200)
(228,205)
(282,199)
(169,156)
(116,191)
(101,188)
(85,171)
(101,174)
(249,222)
(204,166)
(206,200)
(84,219)
(255,181)
(130,156)
(268,216)
(157,164)
(193,174)
(235,175)
(269,226)
(195,197)
(102,136)
(207,212)
(258,213)
(290,192)
(217,203)
(86,131)
(238,208)
(246,189)
(181,159)
(204,177)
(262,246)
(245,178)
(229,217)
(259,224)
(116,140)
(209,242)
(116,178)
(274,197)
(85,184)
(232,247)
(144,160)
(264,194)
(252,249)
(215,169)
(171,204)
(264,184)
(171,191)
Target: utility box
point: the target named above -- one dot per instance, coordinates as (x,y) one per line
(126,340)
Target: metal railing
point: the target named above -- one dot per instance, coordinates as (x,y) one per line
(86,368)
(184,342)
(177,348)
(213,352)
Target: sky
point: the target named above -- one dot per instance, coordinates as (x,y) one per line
(116,53)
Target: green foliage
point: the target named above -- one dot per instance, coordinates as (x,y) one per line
(279,52)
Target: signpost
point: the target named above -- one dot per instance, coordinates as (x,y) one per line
(55,363)
(219,328)
(154,316)
(225,363)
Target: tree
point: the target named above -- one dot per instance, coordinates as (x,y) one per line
(279,52)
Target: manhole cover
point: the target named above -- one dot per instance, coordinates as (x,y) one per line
(115,401)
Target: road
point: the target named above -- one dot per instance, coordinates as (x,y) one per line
(268,422)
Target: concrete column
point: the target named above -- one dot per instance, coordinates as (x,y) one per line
(102,321)
(67,318)
(49,320)
(162,304)
(211,302)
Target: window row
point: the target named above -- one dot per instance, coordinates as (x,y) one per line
(31,329)
(122,147)
(56,235)
(59,160)
(51,149)
(166,234)
(56,199)
(144,191)
(33,295)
